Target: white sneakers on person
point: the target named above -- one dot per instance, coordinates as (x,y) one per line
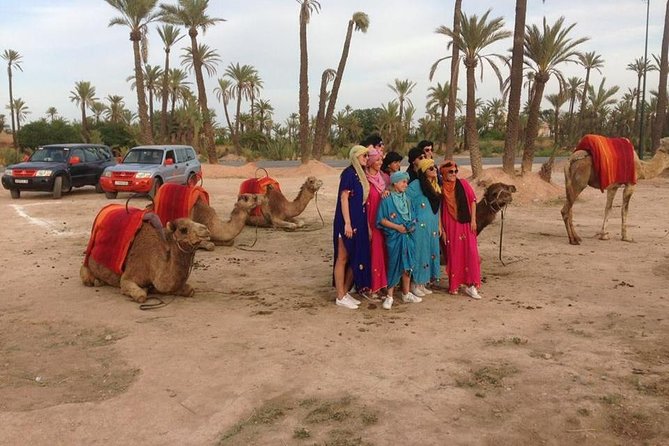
(425,290)
(352,299)
(472,292)
(346,302)
(388,303)
(411,298)
(417,290)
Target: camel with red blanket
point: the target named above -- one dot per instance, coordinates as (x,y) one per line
(178,201)
(130,249)
(608,164)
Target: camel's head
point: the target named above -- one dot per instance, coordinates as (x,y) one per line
(186,232)
(664,146)
(312,184)
(499,195)
(250,201)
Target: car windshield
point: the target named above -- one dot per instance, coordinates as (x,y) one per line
(144,156)
(50,155)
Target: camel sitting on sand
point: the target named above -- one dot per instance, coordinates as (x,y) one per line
(495,198)
(278,212)
(158,260)
(579,173)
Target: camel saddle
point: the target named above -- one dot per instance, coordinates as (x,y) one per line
(176,201)
(258,186)
(612,159)
(113,232)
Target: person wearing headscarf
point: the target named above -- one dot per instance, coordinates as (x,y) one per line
(425,197)
(396,221)
(351,232)
(415,155)
(391,164)
(458,221)
(377,190)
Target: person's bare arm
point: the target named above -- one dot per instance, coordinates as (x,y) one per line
(348,229)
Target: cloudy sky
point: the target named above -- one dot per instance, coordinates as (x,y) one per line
(65,41)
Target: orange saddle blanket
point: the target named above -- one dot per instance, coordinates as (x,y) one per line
(113,232)
(257,186)
(176,201)
(612,159)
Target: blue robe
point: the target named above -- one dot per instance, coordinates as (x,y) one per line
(426,236)
(400,246)
(359,259)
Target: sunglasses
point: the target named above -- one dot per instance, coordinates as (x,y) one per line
(365,155)
(453,171)
(427,149)
(431,168)
(422,157)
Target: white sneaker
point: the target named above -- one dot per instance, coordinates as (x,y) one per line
(351,299)
(411,298)
(388,303)
(343,302)
(417,291)
(425,290)
(472,292)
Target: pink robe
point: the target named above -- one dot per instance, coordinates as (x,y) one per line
(462,253)
(377,245)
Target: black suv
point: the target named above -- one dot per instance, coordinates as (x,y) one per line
(59,168)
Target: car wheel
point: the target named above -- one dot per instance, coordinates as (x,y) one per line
(111,195)
(98,187)
(157,182)
(15,193)
(192,180)
(58,186)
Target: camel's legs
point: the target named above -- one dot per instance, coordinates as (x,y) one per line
(186,290)
(570,198)
(133,290)
(283,224)
(627,195)
(610,195)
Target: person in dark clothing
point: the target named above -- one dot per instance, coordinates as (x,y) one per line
(415,155)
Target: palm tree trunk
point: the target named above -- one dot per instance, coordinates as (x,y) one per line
(84,122)
(210,143)
(145,130)
(320,118)
(442,128)
(581,112)
(305,153)
(513,117)
(661,110)
(453,92)
(335,85)
(472,136)
(163,109)
(235,136)
(11,109)
(532,124)
(227,117)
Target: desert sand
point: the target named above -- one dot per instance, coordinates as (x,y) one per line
(570,344)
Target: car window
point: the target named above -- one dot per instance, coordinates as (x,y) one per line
(79,153)
(144,156)
(51,154)
(181,155)
(104,153)
(170,155)
(91,154)
(191,154)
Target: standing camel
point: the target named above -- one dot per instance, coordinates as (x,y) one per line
(579,173)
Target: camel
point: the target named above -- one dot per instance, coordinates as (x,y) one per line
(158,260)
(278,212)
(495,198)
(579,174)
(222,232)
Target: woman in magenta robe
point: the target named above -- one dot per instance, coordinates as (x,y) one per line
(377,191)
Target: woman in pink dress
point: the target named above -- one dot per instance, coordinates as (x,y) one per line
(458,218)
(377,190)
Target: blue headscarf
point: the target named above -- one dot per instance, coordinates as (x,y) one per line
(398,176)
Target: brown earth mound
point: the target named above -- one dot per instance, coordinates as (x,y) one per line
(250,170)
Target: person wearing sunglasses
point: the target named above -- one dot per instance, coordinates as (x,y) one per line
(426,146)
(459,232)
(425,197)
(351,232)
(415,155)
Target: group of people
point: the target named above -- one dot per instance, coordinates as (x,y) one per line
(392,227)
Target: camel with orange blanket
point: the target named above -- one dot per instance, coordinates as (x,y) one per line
(588,166)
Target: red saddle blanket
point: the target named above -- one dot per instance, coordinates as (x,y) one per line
(176,201)
(612,159)
(113,232)
(257,186)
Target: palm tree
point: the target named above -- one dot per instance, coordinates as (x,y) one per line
(13,59)
(51,112)
(661,111)
(98,108)
(84,96)
(453,92)
(170,35)
(590,61)
(307,7)
(264,110)
(152,76)
(240,76)
(328,75)
(224,94)
(136,15)
(557,100)
(439,97)
(572,88)
(255,84)
(358,22)
(475,35)
(115,109)
(639,66)
(193,15)
(545,49)
(178,88)
(402,89)
(601,100)
(21,110)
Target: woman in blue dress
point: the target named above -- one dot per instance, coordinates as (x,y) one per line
(351,231)
(425,196)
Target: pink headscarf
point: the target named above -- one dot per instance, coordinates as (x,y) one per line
(375,180)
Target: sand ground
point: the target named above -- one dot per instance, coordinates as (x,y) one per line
(570,344)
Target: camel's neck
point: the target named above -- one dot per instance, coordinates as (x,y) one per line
(295,207)
(179,261)
(238,216)
(485,213)
(653,167)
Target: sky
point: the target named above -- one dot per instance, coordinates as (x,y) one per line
(65,41)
